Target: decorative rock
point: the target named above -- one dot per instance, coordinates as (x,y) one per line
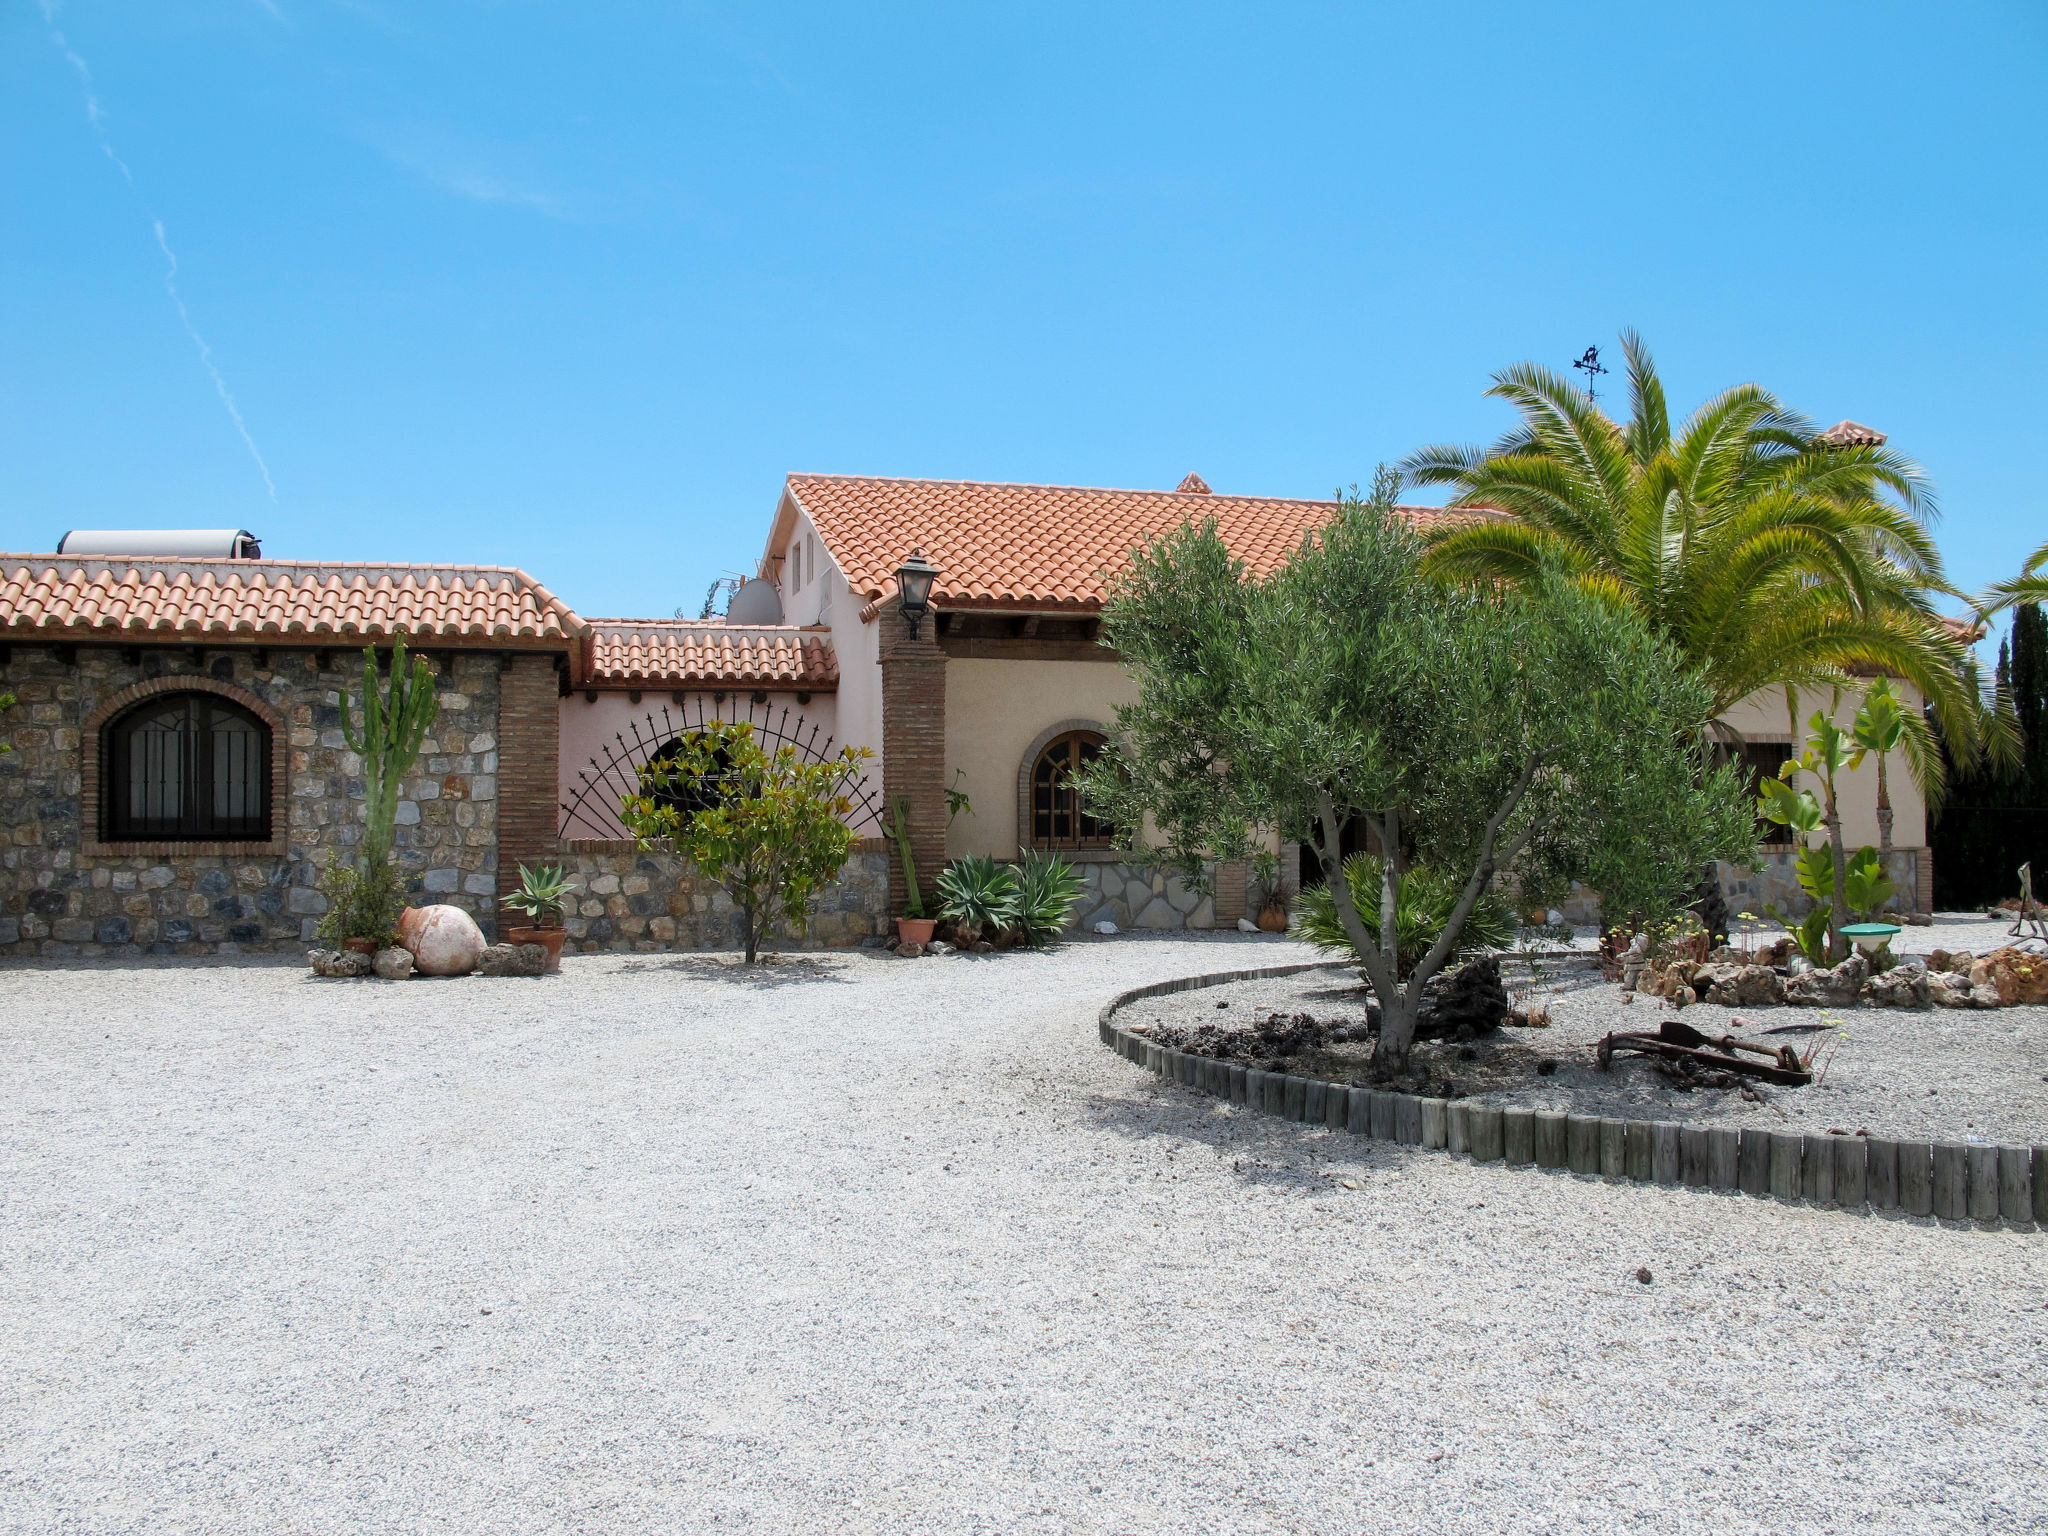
(1106,927)
(513,960)
(338,962)
(392,964)
(909,951)
(445,941)
(1740,986)
(1837,988)
(939,947)
(1246,925)
(1903,986)
(2017,975)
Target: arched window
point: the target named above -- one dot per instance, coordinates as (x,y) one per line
(1057,817)
(187,767)
(687,794)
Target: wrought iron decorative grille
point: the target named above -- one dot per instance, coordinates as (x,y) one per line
(615,771)
(184,767)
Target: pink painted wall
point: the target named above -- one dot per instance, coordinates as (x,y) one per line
(591,730)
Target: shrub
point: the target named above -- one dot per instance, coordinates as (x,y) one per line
(363,900)
(979,893)
(1424,904)
(1048,890)
(769,828)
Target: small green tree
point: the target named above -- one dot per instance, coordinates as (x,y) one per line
(1880,727)
(1476,730)
(769,829)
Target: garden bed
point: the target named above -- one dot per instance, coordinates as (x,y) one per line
(1934,1073)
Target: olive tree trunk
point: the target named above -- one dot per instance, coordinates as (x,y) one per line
(1401,1006)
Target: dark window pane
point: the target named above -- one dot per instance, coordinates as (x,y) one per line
(192,766)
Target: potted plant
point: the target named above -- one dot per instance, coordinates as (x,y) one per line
(1272,901)
(913,927)
(363,903)
(540,896)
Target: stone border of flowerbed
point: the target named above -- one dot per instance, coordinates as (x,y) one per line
(1951,1180)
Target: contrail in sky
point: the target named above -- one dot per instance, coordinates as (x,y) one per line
(98,120)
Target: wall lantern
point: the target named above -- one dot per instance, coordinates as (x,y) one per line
(914,578)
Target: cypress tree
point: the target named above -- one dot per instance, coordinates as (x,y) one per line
(2029,678)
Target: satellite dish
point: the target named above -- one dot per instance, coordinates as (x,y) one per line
(756,602)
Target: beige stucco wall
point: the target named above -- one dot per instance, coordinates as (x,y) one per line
(994,711)
(1763,717)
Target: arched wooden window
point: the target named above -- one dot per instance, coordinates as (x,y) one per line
(186,767)
(1057,817)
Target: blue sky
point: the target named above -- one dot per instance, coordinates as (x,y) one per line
(572,287)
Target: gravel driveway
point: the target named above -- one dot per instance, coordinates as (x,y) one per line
(860,1244)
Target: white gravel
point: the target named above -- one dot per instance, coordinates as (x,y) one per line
(873,1245)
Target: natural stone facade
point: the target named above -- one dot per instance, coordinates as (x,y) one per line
(1137,896)
(634,900)
(1772,883)
(63,892)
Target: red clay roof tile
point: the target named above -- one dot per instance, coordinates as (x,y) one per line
(1043,547)
(281,599)
(679,652)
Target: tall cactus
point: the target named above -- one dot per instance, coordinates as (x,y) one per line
(396,715)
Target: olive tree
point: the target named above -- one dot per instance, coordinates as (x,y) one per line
(1543,730)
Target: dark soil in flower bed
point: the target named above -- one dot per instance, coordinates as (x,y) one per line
(1939,1073)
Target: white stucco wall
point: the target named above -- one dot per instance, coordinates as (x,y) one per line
(824,598)
(1763,717)
(994,710)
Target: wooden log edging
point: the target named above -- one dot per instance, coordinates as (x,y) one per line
(1970,1183)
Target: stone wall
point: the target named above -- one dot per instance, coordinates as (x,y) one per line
(641,901)
(1137,896)
(61,895)
(1772,883)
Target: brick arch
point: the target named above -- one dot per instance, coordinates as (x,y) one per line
(114,705)
(1038,744)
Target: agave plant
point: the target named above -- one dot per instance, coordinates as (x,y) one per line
(1048,890)
(979,893)
(1426,901)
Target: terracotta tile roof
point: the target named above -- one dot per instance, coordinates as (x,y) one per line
(1040,547)
(1851,434)
(672,653)
(279,598)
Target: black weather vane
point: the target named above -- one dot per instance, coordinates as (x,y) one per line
(1591,363)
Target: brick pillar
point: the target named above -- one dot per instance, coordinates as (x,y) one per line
(529,743)
(1923,881)
(1232,892)
(914,747)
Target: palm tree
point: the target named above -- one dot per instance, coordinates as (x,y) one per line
(1768,555)
(2030,586)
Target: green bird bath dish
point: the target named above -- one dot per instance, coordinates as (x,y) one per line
(1870,937)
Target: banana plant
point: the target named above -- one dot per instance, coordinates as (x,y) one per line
(396,711)
(1879,727)
(1868,885)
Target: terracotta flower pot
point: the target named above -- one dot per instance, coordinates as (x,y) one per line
(549,939)
(1273,919)
(915,930)
(360,946)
